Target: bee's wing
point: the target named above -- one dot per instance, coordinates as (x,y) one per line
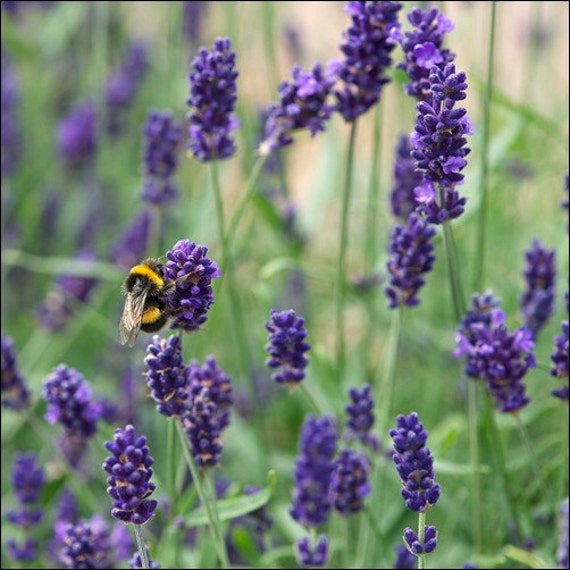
(130,322)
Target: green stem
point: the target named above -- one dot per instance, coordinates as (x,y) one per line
(343,247)
(371,244)
(171,460)
(474,457)
(206,500)
(454,274)
(141,546)
(479,278)
(421,537)
(310,398)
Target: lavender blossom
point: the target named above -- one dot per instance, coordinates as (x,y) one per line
(193,295)
(286,347)
(166,377)
(349,482)
(86,545)
(306,556)
(499,357)
(10,132)
(411,256)
(23,551)
(559,358)
(162,136)
(15,393)
(564,201)
(217,382)
(404,559)
(406,179)
(301,105)
(313,471)
(132,244)
(562,550)
(422,49)
(202,426)
(212,101)
(360,417)
(123,83)
(129,469)
(367,46)
(414,463)
(67,292)
(76,135)
(27,478)
(413,542)
(70,402)
(537,300)
(439,145)
(136,562)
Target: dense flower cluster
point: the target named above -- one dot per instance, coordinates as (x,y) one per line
(162,137)
(302,104)
(422,49)
(166,377)
(212,101)
(349,482)
(537,300)
(315,557)
(502,359)
(135,562)
(129,469)
(86,544)
(367,46)
(439,144)
(313,471)
(76,134)
(27,481)
(70,402)
(414,463)
(360,417)
(15,393)
(193,272)
(415,545)
(411,252)
(406,179)
(286,347)
(559,358)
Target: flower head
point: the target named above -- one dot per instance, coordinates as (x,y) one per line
(212,101)
(411,256)
(360,416)
(165,375)
(367,46)
(306,556)
(313,471)
(135,562)
(406,179)
(132,243)
(77,134)
(192,296)
(286,346)
(422,48)
(413,542)
(86,544)
(27,477)
(349,482)
(559,358)
(70,402)
(404,559)
(129,469)
(414,463)
(537,300)
(302,105)
(15,393)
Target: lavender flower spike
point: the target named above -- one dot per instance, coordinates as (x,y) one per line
(411,256)
(129,469)
(559,358)
(360,417)
(405,180)
(286,347)
(212,101)
(349,482)
(313,471)
(414,463)
(367,46)
(537,300)
(193,295)
(312,557)
(302,105)
(15,393)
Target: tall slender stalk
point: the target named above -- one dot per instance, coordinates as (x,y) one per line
(141,546)
(343,247)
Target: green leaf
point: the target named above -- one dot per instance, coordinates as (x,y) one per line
(236,506)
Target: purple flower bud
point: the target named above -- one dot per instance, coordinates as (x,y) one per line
(212,101)
(414,463)
(406,179)
(129,469)
(349,482)
(166,377)
(286,347)
(559,358)
(15,394)
(27,477)
(414,544)
(411,256)
(360,417)
(24,551)
(307,557)
(192,296)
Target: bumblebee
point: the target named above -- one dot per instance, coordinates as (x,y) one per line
(145,302)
